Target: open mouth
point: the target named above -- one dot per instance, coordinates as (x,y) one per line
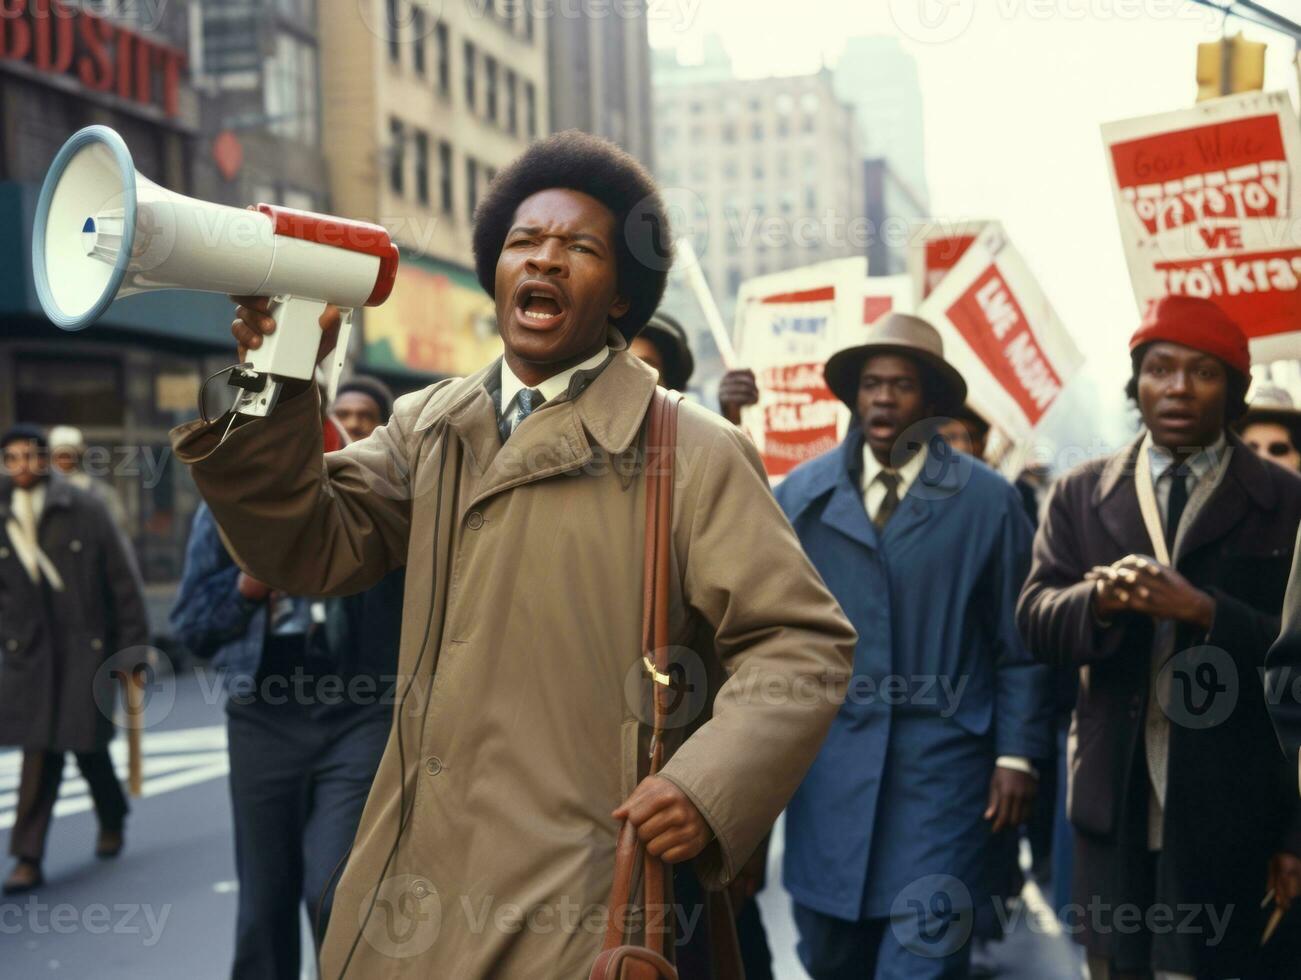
(1177,420)
(880,427)
(539,305)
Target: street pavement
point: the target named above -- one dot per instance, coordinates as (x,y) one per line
(165,909)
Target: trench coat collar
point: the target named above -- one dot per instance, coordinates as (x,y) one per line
(612,409)
(1247,482)
(606,410)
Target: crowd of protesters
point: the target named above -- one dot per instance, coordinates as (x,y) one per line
(1103,670)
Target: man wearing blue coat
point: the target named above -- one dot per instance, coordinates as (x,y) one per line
(926,550)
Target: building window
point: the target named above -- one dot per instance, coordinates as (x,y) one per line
(471,186)
(418,40)
(422,167)
(393,24)
(530,106)
(756,170)
(469,74)
(756,131)
(291,90)
(728,133)
(783,130)
(445,176)
(444,58)
(397,156)
(512,104)
(490,74)
(527,11)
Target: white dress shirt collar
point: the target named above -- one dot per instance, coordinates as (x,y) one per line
(908,472)
(552,387)
(1200,463)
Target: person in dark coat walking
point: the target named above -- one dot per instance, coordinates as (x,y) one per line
(1159,575)
(69,600)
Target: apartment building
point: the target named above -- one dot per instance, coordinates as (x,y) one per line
(422,103)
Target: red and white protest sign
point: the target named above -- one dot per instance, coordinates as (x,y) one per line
(1001,332)
(1210,205)
(787,325)
(882,295)
(936,248)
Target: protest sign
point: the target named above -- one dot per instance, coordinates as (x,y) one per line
(787,325)
(1210,205)
(1001,332)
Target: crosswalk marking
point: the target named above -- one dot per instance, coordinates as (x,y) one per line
(173,760)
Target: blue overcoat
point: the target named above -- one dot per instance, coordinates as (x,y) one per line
(942,683)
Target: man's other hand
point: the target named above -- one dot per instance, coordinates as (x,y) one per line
(253,321)
(667,822)
(1011,798)
(737,390)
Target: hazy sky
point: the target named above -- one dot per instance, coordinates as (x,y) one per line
(1014,92)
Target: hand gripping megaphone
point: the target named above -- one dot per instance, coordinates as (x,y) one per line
(103,231)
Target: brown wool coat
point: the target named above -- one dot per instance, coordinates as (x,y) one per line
(56,692)
(521,634)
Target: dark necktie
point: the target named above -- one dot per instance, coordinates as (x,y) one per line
(1178,501)
(885,510)
(522,407)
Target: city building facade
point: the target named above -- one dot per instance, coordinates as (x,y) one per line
(600,60)
(761,175)
(133,375)
(422,104)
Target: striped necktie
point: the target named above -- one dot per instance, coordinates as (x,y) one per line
(521,408)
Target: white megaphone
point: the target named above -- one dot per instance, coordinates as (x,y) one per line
(103,231)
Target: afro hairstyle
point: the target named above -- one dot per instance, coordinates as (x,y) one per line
(579,161)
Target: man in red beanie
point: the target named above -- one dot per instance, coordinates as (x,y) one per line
(1159,575)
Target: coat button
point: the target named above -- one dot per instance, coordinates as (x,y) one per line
(474,521)
(4,552)
(74,545)
(420,889)
(433,765)
(97,644)
(11,646)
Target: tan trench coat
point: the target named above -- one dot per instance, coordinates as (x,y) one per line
(521,633)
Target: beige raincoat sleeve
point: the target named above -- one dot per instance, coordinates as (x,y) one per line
(301,521)
(780,634)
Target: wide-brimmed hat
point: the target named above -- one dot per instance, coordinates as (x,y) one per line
(909,336)
(670,339)
(1271,404)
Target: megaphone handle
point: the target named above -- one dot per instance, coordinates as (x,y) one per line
(340,352)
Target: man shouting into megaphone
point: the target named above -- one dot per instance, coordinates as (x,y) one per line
(516,498)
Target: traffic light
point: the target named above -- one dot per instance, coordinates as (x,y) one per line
(1229,65)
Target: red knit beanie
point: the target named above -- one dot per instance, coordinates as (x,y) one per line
(1196,323)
